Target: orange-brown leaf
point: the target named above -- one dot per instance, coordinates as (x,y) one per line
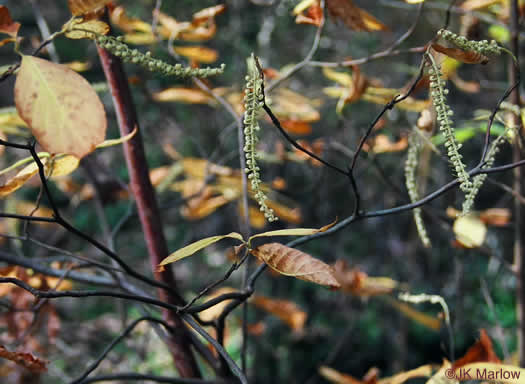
(313,16)
(359,86)
(479,352)
(498,217)
(382,144)
(81,7)
(285,310)
(297,127)
(358,283)
(25,360)
(337,377)
(467,57)
(7,25)
(354,17)
(292,262)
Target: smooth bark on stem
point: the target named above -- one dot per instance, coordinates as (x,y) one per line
(147,207)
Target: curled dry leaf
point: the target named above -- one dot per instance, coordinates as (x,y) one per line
(337,377)
(382,144)
(25,360)
(354,17)
(78,120)
(467,57)
(357,282)
(7,25)
(81,7)
(292,262)
(481,351)
(18,180)
(285,310)
(313,16)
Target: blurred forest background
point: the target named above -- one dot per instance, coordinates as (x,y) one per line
(350,330)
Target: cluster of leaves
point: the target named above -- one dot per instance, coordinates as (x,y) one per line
(52,101)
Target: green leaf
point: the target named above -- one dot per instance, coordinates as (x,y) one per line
(293,231)
(197,246)
(61,108)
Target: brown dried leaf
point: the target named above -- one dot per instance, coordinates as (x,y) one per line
(285,310)
(358,283)
(354,17)
(25,360)
(382,144)
(358,87)
(481,351)
(314,15)
(81,7)
(467,57)
(498,217)
(292,262)
(296,127)
(337,377)
(7,25)
(463,85)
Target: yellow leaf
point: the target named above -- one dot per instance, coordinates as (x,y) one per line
(60,106)
(303,5)
(443,375)
(419,317)
(293,231)
(414,1)
(81,7)
(215,311)
(9,117)
(120,140)
(198,53)
(471,5)
(139,38)
(18,180)
(80,29)
(79,66)
(204,207)
(184,95)
(292,262)
(128,24)
(470,231)
(289,105)
(285,310)
(197,246)
(207,13)
(63,165)
(400,378)
(342,78)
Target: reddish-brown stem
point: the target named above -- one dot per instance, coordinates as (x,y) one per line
(147,207)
